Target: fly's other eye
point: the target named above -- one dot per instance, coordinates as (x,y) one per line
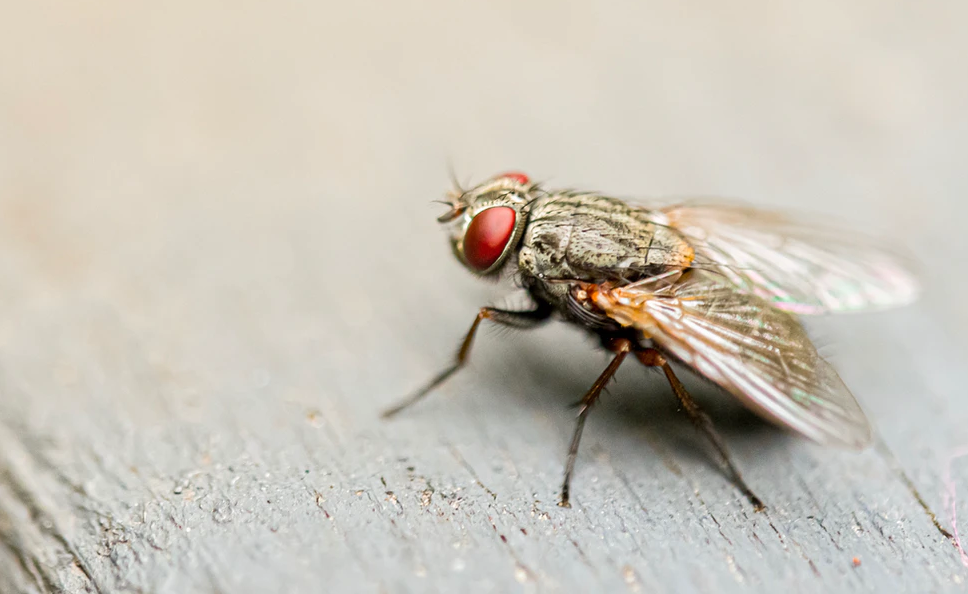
(487,235)
(517,176)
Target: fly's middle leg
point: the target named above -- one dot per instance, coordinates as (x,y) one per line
(621,347)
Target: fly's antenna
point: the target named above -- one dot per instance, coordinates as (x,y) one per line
(454,197)
(452,174)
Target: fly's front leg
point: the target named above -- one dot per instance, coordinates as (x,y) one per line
(653,358)
(516,319)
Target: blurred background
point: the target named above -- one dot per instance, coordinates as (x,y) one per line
(125,124)
(222,210)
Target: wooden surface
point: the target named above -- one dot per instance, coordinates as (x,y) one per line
(219,261)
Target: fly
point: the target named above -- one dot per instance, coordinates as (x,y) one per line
(712,286)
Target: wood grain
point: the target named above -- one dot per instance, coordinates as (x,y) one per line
(219,261)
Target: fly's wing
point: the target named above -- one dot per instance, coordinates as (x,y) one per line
(800,268)
(758,353)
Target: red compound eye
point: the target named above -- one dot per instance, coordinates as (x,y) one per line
(517,176)
(487,235)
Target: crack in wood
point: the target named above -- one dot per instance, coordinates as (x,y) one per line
(41,522)
(470,470)
(888,456)
(799,548)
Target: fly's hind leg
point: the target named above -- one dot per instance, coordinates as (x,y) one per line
(516,319)
(653,358)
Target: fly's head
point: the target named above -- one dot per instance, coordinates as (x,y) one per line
(486,223)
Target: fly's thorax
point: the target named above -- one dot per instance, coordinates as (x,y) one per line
(591,238)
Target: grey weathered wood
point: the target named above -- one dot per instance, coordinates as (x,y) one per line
(218,262)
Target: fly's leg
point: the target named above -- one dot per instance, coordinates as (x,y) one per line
(621,347)
(516,319)
(653,358)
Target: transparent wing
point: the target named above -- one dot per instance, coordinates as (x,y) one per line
(758,353)
(805,269)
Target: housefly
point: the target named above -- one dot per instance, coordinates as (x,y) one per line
(715,287)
